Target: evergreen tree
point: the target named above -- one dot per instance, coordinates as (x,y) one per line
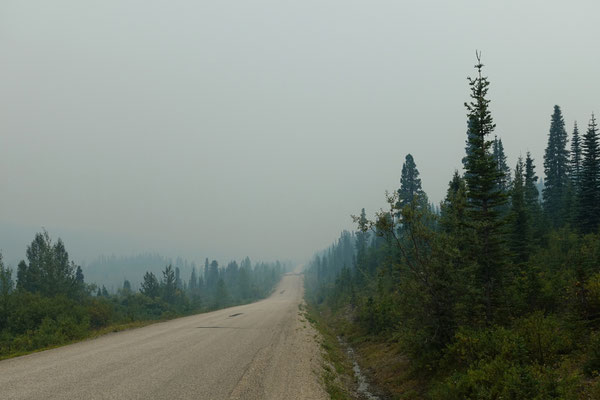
(221,294)
(6,287)
(454,207)
(576,159)
(532,195)
(49,271)
(24,279)
(457,233)
(213,275)
(410,185)
(589,196)
(571,197)
(484,200)
(532,200)
(206,272)
(520,232)
(79,276)
(362,242)
(178,281)
(556,165)
(150,286)
(168,284)
(193,283)
(501,164)
(244,289)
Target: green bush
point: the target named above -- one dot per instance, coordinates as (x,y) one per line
(100,312)
(592,363)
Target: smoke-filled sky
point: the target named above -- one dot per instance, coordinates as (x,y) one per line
(257,127)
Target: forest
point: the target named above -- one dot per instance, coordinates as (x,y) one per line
(48,302)
(492,294)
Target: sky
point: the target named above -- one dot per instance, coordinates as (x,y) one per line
(230,128)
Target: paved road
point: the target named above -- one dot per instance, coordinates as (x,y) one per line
(258,351)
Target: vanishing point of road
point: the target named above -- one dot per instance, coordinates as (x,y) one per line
(259,351)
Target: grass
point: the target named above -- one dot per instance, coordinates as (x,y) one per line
(118,327)
(381,360)
(337,372)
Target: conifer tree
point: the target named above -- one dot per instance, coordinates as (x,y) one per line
(362,239)
(556,159)
(521,231)
(213,275)
(150,286)
(126,286)
(532,199)
(79,276)
(575,162)
(178,281)
(221,294)
(206,272)
(532,194)
(193,283)
(169,284)
(484,199)
(589,196)
(410,184)
(453,213)
(454,206)
(49,271)
(6,287)
(500,158)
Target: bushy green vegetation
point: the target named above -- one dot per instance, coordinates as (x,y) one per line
(50,304)
(493,295)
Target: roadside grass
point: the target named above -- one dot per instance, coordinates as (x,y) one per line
(337,374)
(91,335)
(387,368)
(381,360)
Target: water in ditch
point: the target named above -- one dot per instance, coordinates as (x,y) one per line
(363,384)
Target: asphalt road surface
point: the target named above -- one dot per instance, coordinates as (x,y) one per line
(263,350)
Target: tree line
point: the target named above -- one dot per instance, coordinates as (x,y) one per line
(495,293)
(49,303)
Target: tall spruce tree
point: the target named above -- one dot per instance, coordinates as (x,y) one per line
(556,166)
(589,195)
(576,160)
(484,200)
(532,199)
(410,184)
(362,242)
(532,195)
(500,158)
(521,229)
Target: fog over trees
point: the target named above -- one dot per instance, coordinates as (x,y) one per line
(48,301)
(492,294)
(163,159)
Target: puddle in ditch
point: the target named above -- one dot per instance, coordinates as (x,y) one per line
(363,384)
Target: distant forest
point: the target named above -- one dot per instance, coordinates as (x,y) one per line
(492,294)
(111,271)
(49,303)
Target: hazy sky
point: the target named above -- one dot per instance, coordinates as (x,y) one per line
(233,128)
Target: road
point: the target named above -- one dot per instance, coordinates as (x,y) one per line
(263,350)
